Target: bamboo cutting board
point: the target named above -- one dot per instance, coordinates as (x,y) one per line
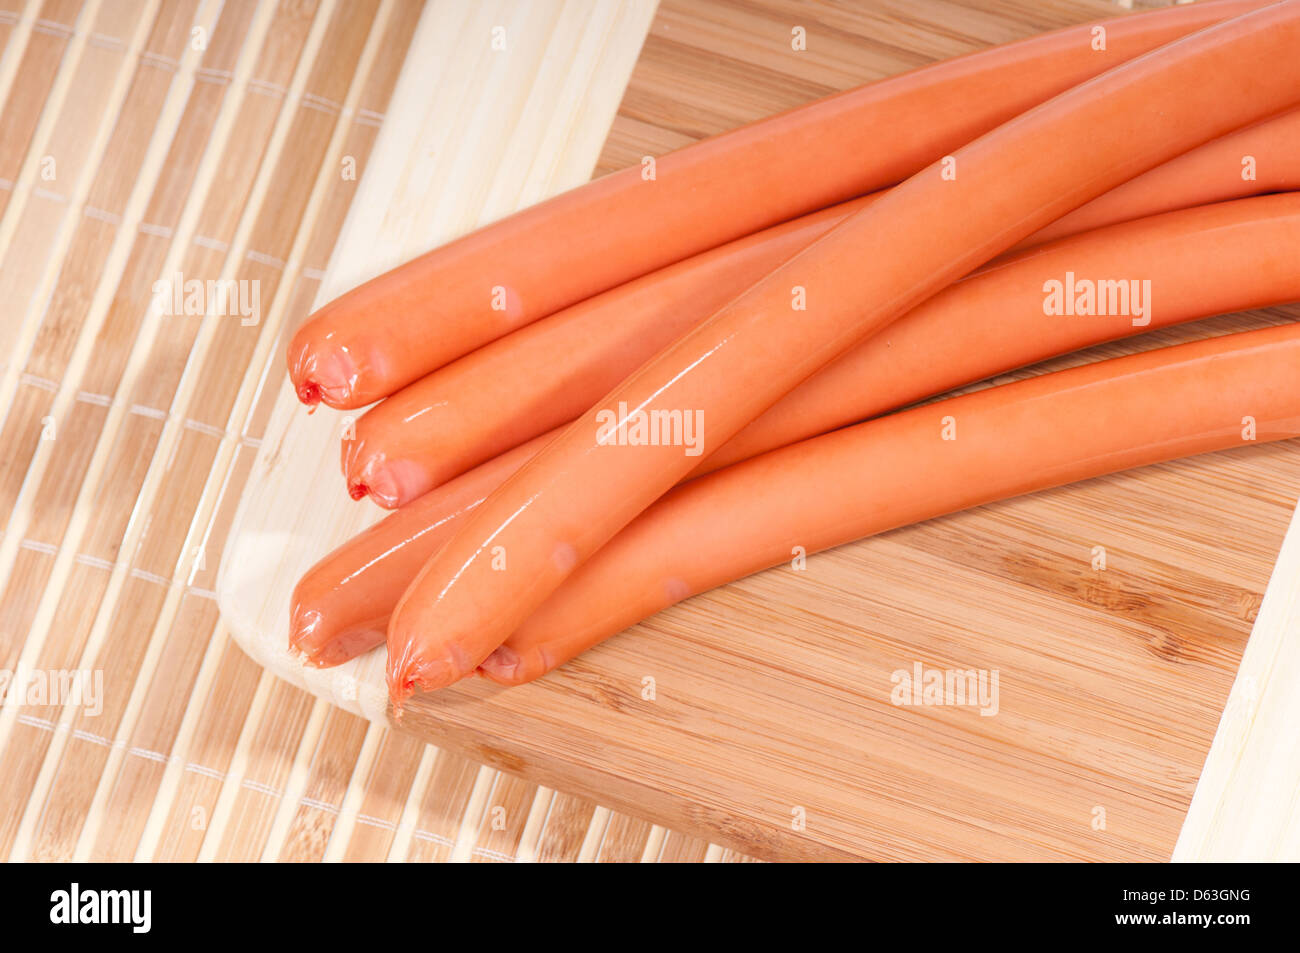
(1114,613)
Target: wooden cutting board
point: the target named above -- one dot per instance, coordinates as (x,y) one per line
(1113,613)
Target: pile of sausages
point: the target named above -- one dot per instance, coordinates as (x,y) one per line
(655,384)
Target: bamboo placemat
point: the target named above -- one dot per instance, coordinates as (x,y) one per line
(138,139)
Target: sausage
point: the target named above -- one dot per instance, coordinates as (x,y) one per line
(548,373)
(399,326)
(1218,259)
(1229,391)
(340,607)
(1262,158)
(594,478)
(1176,267)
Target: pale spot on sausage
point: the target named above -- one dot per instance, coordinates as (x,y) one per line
(564,556)
(676,590)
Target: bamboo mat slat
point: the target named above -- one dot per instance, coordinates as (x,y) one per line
(208,138)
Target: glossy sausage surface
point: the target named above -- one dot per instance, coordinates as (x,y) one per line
(1200,262)
(546,374)
(398,327)
(1231,391)
(340,607)
(594,478)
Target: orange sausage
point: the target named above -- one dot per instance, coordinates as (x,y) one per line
(1262,158)
(1200,262)
(398,327)
(894,471)
(593,479)
(548,373)
(340,607)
